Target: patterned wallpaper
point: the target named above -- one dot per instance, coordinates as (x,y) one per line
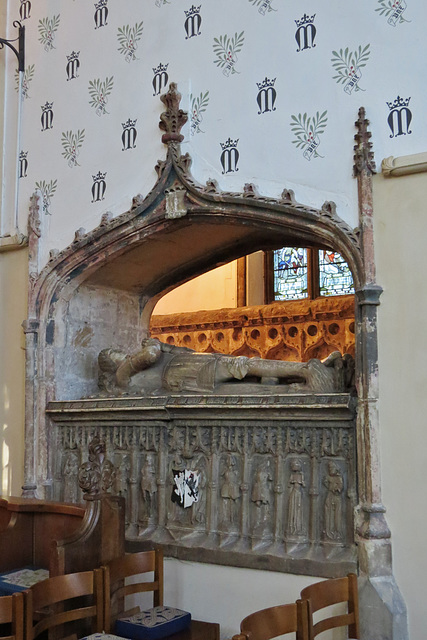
(272,88)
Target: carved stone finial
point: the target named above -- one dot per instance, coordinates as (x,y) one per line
(363,154)
(174,118)
(34,223)
(329,208)
(160,165)
(137,200)
(250,190)
(79,234)
(211,186)
(98,474)
(288,196)
(106,218)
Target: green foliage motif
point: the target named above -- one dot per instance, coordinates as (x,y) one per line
(128,38)
(47,190)
(99,92)
(225,49)
(28,76)
(306,128)
(389,7)
(72,143)
(47,30)
(346,63)
(198,106)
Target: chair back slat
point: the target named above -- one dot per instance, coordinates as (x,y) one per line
(48,603)
(276,621)
(327,593)
(115,588)
(12,615)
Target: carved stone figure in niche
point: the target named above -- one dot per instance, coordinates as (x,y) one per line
(70,470)
(260,495)
(148,485)
(295,505)
(333,502)
(122,477)
(230,491)
(158,366)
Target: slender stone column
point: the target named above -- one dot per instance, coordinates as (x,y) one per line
(382,608)
(31,329)
(31,340)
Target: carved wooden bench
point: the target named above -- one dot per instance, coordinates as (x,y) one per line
(61,537)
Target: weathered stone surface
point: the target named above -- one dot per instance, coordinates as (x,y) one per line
(276,474)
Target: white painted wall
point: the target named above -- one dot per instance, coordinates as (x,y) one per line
(228,594)
(401,257)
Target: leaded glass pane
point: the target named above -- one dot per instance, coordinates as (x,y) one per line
(290,273)
(335,275)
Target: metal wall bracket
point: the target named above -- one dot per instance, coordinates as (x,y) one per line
(20,52)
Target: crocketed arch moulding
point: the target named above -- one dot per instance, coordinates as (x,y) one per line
(179,230)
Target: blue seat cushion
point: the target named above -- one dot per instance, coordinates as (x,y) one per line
(153,624)
(21,579)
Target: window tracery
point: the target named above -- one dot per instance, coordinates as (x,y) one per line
(295,273)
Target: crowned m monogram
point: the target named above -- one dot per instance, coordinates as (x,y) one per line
(23,164)
(400,117)
(160,79)
(129,134)
(229,156)
(73,65)
(47,116)
(25,9)
(99,186)
(266,97)
(305,33)
(101,14)
(193,22)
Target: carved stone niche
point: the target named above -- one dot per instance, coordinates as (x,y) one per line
(275,476)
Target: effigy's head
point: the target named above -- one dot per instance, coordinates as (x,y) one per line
(110,359)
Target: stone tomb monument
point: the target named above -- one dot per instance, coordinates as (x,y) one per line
(219,462)
(226,459)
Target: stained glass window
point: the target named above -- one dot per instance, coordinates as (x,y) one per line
(306,273)
(290,273)
(334,274)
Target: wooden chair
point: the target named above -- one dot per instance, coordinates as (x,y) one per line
(276,621)
(116,588)
(12,617)
(49,605)
(330,592)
